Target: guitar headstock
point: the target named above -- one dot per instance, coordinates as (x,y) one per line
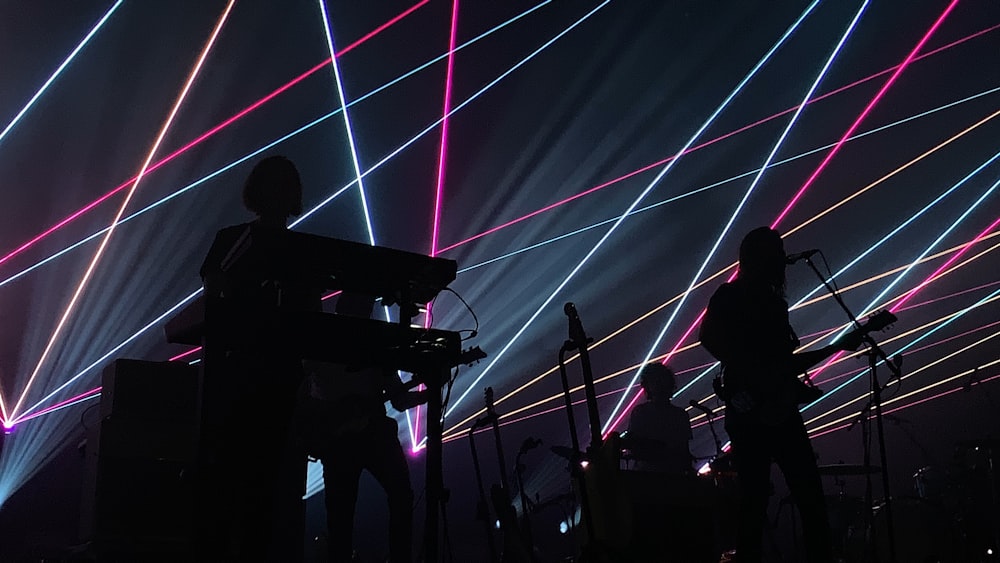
(489,399)
(471,356)
(876,321)
(880,320)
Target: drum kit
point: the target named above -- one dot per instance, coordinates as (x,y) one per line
(951,516)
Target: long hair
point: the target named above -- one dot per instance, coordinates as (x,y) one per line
(762,259)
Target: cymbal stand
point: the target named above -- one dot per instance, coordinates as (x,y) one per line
(875,356)
(434,379)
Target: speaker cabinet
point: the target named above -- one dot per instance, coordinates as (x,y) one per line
(138,489)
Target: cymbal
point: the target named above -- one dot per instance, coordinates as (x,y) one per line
(841,469)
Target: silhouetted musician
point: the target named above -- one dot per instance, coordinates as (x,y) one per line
(659,431)
(746,328)
(254,473)
(347,428)
(259,318)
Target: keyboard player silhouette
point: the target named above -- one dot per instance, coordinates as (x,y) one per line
(253,476)
(259,317)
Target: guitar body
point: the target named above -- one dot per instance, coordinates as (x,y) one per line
(610,508)
(779,398)
(513,548)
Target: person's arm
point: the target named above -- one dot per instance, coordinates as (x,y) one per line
(717,326)
(400,396)
(803,361)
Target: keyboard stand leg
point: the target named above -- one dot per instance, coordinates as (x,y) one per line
(435,467)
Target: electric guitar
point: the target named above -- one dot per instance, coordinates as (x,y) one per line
(513,548)
(770,403)
(321,422)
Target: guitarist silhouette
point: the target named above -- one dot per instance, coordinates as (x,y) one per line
(346,426)
(746,328)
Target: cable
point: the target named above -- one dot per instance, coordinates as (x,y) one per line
(475,331)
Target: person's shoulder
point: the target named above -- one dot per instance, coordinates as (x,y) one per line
(642,410)
(232,230)
(728,292)
(224,240)
(227,236)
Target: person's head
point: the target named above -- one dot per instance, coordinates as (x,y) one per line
(273,189)
(762,258)
(658,381)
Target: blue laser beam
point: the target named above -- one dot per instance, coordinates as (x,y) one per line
(69,58)
(317,207)
(284,138)
(636,202)
(736,212)
(728,180)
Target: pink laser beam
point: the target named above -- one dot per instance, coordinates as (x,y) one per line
(47,410)
(441,168)
(861,117)
(708,143)
(965,247)
(822,166)
(121,210)
(207,134)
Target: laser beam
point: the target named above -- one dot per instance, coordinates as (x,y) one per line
(636,201)
(121,210)
(55,74)
(732,219)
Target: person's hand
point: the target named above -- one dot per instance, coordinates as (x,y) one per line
(410,399)
(850,341)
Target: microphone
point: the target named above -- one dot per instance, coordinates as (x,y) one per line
(576,333)
(708,412)
(529,444)
(804,255)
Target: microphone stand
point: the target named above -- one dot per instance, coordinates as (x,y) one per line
(710,416)
(715,437)
(578,341)
(874,353)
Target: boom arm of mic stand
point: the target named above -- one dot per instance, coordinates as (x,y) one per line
(876,391)
(894,363)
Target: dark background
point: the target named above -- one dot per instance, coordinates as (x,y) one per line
(627,87)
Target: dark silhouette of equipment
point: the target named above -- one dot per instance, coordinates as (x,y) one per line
(137,492)
(605,514)
(289,259)
(516,545)
(873,409)
(804,255)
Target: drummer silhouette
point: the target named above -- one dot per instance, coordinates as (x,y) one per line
(659,431)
